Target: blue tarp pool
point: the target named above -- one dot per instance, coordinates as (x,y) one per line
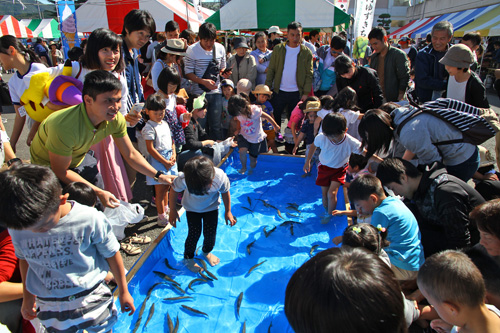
(278,181)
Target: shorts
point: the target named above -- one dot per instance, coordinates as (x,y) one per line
(271,134)
(92,310)
(254,149)
(167,154)
(327,175)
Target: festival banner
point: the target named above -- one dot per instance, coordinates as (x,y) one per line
(363,18)
(67,25)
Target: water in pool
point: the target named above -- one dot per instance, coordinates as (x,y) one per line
(278,182)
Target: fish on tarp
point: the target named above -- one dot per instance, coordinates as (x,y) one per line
(244,328)
(143,306)
(279,214)
(179,298)
(291,229)
(292,204)
(195,281)
(267,233)
(249,201)
(287,223)
(313,248)
(246,208)
(294,209)
(170,323)
(150,315)
(168,265)
(177,288)
(291,215)
(194,310)
(166,277)
(204,265)
(249,246)
(269,328)
(176,328)
(255,266)
(238,304)
(204,276)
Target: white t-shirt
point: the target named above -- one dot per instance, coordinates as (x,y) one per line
(336,155)
(456,90)
(159,133)
(18,84)
(350,116)
(251,128)
(202,203)
(289,76)
(490,307)
(197,60)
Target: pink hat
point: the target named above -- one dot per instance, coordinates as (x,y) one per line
(66,90)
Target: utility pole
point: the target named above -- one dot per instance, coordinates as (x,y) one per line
(39,12)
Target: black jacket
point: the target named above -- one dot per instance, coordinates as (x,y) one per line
(475,92)
(430,75)
(444,202)
(365,83)
(194,134)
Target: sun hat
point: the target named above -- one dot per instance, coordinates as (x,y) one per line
(226,83)
(174,46)
(486,158)
(262,89)
(459,56)
(275,29)
(240,42)
(244,86)
(404,40)
(66,90)
(312,106)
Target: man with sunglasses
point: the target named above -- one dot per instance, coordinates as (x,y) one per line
(327,55)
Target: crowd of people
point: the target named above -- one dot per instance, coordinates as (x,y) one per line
(165,107)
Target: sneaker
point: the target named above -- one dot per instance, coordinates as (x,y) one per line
(153,202)
(279,138)
(162,221)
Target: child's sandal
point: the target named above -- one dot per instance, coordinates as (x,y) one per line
(130,249)
(136,239)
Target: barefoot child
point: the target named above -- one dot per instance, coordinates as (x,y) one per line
(161,149)
(336,148)
(64,277)
(201,183)
(252,137)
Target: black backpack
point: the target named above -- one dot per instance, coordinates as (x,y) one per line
(466,118)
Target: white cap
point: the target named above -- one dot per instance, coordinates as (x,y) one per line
(275,29)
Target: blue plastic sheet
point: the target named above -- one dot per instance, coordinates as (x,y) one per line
(278,181)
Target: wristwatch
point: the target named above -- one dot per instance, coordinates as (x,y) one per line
(14,160)
(158,174)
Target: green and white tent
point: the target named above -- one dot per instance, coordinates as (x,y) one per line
(46,28)
(262,14)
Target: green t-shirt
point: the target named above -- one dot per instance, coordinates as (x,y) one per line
(70,132)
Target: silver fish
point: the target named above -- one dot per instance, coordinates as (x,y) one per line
(168,265)
(267,233)
(249,246)
(194,281)
(173,299)
(313,248)
(255,266)
(166,277)
(170,323)
(238,304)
(249,201)
(176,328)
(194,310)
(150,315)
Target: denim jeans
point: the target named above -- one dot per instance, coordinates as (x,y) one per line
(466,169)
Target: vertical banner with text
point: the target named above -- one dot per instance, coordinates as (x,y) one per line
(363,17)
(67,25)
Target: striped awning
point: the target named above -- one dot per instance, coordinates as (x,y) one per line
(487,25)
(46,28)
(409,28)
(458,20)
(9,25)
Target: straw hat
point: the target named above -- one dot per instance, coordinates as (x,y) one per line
(262,89)
(174,46)
(312,106)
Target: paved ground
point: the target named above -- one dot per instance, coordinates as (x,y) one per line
(142,194)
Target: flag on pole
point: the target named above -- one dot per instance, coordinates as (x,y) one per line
(363,19)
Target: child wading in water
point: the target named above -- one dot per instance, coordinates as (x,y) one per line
(161,149)
(252,137)
(201,182)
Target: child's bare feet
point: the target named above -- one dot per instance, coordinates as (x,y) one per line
(192,265)
(242,170)
(212,259)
